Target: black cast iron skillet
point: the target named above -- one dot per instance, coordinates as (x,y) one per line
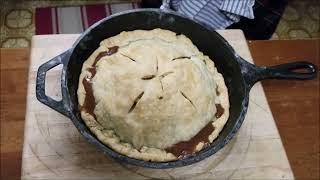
(239,75)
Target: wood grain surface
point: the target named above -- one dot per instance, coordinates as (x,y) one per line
(14,74)
(302,148)
(294,104)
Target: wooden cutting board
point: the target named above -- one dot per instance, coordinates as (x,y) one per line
(54,149)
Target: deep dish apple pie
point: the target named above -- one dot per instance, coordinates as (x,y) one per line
(152,95)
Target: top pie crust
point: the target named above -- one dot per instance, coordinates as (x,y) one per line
(156,90)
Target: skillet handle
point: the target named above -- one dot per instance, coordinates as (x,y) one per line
(289,71)
(41,78)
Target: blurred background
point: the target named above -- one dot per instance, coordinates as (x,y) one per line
(20,20)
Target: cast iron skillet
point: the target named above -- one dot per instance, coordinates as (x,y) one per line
(239,75)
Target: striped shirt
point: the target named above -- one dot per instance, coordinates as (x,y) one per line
(217,14)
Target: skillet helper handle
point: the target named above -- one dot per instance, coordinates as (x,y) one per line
(41,83)
(290,71)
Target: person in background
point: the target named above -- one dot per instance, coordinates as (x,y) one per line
(257,18)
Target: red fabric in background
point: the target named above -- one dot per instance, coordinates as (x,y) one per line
(43,17)
(54,20)
(95,13)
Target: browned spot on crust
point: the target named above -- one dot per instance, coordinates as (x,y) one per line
(220,111)
(111,50)
(89,101)
(185,148)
